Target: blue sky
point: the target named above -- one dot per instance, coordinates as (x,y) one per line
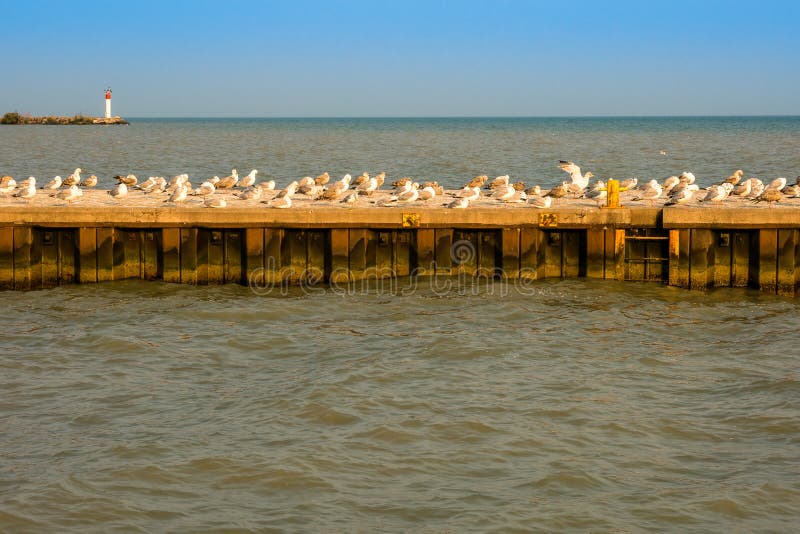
(402,58)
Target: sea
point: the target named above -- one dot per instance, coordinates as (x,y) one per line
(466,406)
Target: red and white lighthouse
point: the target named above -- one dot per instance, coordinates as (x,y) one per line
(108,103)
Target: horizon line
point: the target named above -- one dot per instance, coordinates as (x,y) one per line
(755,115)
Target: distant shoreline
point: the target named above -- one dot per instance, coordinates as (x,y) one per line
(14,118)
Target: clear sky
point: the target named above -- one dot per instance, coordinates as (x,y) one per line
(401,58)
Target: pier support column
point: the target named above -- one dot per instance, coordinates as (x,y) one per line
(87,255)
(679,258)
(701,258)
(511,251)
(768,260)
(7,257)
(171,252)
(340,250)
(595,252)
(787,255)
(424,252)
(531,253)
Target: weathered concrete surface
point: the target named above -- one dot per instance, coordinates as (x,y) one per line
(97,208)
(732,217)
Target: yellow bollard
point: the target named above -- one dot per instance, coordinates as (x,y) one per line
(612,193)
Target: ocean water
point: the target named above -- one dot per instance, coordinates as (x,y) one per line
(451,151)
(561,405)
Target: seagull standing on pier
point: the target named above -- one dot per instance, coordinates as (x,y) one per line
(470,193)
(459,204)
(205,189)
(120,191)
(651,192)
(70,194)
(7,185)
(248,180)
(91,181)
(540,202)
(74,178)
(55,183)
(129,180)
(581,180)
(229,181)
(178,196)
(28,191)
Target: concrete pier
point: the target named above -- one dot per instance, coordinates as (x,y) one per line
(694,248)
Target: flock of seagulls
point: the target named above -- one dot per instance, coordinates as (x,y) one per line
(217,192)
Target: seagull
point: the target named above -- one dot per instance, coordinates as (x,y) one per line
(129,180)
(671,183)
(177,181)
(629,183)
(229,181)
(405,180)
(756,188)
(215,202)
(681,196)
(500,181)
(251,193)
(650,192)
(534,191)
(777,183)
(120,191)
(350,199)
(503,192)
(363,178)
(69,194)
(282,202)
(470,194)
(91,181)
(24,183)
(267,186)
(74,178)
(769,196)
(289,190)
(248,180)
(427,193)
(478,181)
(459,203)
(575,173)
(408,193)
(791,191)
(178,196)
(29,191)
(597,193)
(662,152)
(145,186)
(7,185)
(540,202)
(743,189)
(687,177)
(715,193)
(558,191)
(322,179)
(337,189)
(368,187)
(735,177)
(55,183)
(205,189)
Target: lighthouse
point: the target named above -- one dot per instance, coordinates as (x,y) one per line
(108,103)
